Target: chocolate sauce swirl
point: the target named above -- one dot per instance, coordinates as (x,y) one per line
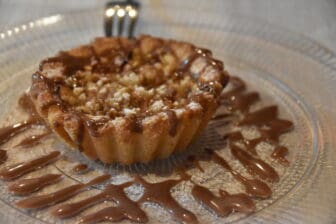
(275,129)
(6,133)
(261,116)
(125,209)
(160,193)
(27,105)
(80,168)
(112,214)
(15,171)
(173,121)
(242,102)
(250,144)
(225,203)
(66,193)
(265,119)
(32,140)
(42,201)
(279,153)
(3,156)
(254,165)
(221,116)
(70,63)
(28,186)
(253,187)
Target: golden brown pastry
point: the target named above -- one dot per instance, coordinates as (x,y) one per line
(122,100)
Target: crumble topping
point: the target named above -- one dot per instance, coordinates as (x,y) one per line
(119,77)
(124,94)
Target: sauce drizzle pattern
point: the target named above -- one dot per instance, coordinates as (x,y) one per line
(80,168)
(265,119)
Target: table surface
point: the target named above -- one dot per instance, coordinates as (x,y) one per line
(313,18)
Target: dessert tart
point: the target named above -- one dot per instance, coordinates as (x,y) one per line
(123,100)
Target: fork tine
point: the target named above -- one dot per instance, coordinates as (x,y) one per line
(132,22)
(115,15)
(108,24)
(108,19)
(120,20)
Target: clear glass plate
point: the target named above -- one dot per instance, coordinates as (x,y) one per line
(286,68)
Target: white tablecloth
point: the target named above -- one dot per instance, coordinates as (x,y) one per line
(314,18)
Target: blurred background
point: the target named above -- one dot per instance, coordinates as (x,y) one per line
(313,18)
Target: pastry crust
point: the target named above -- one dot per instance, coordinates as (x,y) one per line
(121,100)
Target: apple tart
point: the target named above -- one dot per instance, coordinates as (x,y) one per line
(128,100)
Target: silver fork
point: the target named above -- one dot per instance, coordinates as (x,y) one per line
(120,15)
